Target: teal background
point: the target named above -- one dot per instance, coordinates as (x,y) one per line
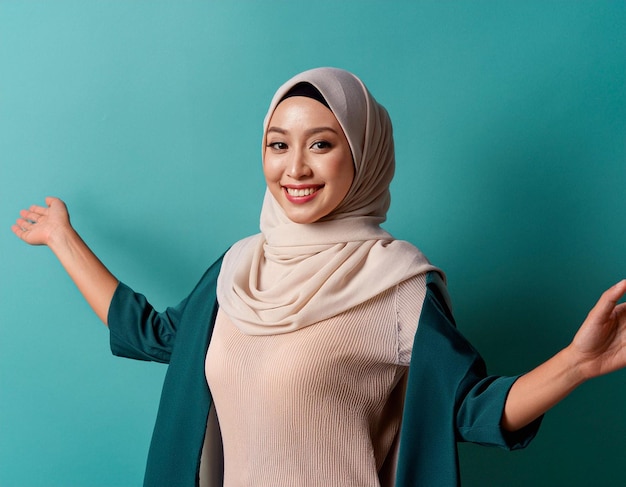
(145,117)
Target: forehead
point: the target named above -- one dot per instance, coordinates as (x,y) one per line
(301,110)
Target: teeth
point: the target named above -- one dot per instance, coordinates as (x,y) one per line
(300,192)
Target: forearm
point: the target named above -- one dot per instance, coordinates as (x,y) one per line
(92,278)
(536,392)
(598,348)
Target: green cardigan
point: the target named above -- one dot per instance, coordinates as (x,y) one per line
(449,395)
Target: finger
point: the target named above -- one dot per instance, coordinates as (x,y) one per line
(23,224)
(616,292)
(31,216)
(607,302)
(40,210)
(19,230)
(50,200)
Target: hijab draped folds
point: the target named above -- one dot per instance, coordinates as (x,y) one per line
(294,275)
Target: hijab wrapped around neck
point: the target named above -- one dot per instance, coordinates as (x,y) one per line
(294,275)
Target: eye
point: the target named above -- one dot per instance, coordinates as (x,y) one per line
(321,145)
(277,146)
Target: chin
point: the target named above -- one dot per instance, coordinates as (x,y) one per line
(303,219)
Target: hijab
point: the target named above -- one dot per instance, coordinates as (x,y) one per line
(293,275)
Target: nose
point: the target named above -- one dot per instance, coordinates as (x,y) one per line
(298,167)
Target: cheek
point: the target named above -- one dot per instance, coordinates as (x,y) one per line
(345,173)
(269,169)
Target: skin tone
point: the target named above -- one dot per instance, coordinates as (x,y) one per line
(599,347)
(307,160)
(308,168)
(50,225)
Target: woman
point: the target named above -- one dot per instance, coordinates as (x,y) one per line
(328,347)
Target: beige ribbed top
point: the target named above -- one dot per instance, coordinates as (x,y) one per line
(320,406)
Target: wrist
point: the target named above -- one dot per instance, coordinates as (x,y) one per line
(61,239)
(575,366)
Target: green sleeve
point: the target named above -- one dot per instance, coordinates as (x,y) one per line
(450,398)
(139,332)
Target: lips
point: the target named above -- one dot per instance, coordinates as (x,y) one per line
(301,194)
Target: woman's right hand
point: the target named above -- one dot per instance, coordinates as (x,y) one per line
(50,225)
(41,225)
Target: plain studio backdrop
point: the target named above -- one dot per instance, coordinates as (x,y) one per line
(145,116)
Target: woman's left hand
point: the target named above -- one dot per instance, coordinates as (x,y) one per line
(599,346)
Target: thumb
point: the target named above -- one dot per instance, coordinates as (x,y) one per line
(609,298)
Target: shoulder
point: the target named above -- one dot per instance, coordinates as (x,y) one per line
(410,298)
(410,295)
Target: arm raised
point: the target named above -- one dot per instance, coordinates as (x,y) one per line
(598,348)
(50,225)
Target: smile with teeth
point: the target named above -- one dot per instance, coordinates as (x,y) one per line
(300,192)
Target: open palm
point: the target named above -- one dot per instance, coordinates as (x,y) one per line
(39,224)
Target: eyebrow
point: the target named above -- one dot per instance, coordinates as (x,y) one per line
(315,130)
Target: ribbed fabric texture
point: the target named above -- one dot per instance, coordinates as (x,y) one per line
(318,406)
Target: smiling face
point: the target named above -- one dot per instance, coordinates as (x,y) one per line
(307,160)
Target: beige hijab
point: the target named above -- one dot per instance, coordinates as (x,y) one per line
(293,275)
